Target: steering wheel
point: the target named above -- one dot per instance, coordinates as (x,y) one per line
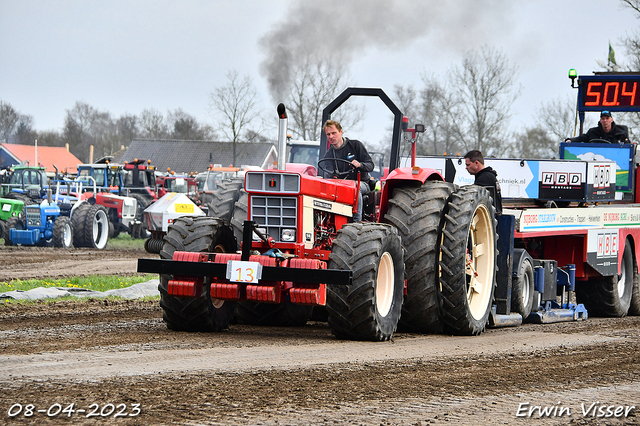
(334,171)
(599,141)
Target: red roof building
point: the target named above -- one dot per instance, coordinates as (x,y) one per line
(48,156)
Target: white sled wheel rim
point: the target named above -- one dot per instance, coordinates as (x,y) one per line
(385,284)
(622,279)
(480,262)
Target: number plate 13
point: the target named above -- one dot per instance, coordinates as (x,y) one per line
(244,272)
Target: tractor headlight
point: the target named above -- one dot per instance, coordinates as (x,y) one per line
(263,231)
(288,235)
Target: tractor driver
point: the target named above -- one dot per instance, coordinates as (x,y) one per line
(353,151)
(607,130)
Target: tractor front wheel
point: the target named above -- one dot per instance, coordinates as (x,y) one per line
(369,308)
(196,234)
(63,233)
(13,222)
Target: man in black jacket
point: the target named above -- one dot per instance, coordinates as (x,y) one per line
(607,130)
(484,176)
(353,151)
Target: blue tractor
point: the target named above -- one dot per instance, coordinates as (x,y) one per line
(44,224)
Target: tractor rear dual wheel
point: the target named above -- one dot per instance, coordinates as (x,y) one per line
(416,212)
(224,197)
(90,226)
(196,234)
(369,308)
(468,257)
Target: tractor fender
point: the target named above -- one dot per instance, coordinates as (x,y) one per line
(405,176)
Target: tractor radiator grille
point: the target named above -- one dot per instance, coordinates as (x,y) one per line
(129,209)
(33,215)
(274,214)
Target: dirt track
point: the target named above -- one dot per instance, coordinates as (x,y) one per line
(120,352)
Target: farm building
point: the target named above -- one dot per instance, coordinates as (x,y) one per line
(48,156)
(191,156)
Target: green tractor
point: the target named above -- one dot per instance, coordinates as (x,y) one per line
(9,208)
(25,183)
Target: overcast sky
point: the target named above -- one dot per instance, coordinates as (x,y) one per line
(124,56)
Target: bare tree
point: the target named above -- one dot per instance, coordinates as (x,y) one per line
(186,126)
(558,118)
(77,129)
(534,142)
(632,46)
(235,107)
(9,118)
(315,83)
(152,124)
(484,85)
(15,127)
(435,107)
(127,128)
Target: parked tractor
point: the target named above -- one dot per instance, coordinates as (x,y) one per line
(182,184)
(125,212)
(208,181)
(43,225)
(9,208)
(64,220)
(25,183)
(432,255)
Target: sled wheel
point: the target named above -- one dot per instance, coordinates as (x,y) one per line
(610,296)
(522,290)
(468,254)
(634,307)
(369,308)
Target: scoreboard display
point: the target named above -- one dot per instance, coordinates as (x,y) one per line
(609,92)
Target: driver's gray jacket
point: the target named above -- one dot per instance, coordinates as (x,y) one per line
(617,134)
(352,149)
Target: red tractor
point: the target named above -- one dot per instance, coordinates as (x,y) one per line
(284,244)
(176,183)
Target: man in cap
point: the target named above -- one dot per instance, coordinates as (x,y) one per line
(607,130)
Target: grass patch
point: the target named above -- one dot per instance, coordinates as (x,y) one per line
(122,242)
(125,242)
(92,282)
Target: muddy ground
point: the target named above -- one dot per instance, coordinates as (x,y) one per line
(117,361)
